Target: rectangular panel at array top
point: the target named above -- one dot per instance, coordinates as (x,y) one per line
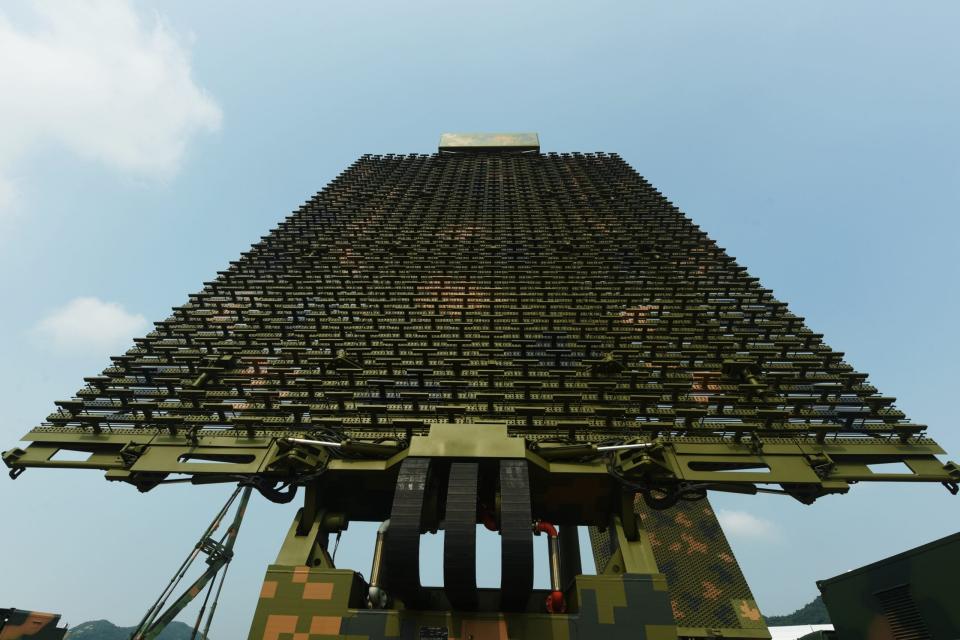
(559,293)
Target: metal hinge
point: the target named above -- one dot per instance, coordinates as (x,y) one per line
(10,459)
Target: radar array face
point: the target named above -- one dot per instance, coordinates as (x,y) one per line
(550,308)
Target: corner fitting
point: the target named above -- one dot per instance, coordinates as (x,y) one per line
(10,459)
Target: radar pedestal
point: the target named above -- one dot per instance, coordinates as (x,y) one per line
(452,476)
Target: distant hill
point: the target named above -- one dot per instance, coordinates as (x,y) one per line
(812,613)
(106,630)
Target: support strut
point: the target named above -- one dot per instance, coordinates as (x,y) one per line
(220,553)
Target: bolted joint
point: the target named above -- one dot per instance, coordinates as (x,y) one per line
(297,457)
(954,470)
(131,452)
(10,457)
(335,522)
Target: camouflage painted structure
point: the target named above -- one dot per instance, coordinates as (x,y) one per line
(910,596)
(490,334)
(35,625)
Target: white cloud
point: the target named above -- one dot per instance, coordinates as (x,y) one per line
(740,524)
(96,78)
(90,325)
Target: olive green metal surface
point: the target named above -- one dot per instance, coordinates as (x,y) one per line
(910,595)
(459,142)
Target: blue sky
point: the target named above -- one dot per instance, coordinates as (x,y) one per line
(143,146)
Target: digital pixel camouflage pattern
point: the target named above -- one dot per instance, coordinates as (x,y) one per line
(708,589)
(35,625)
(301,603)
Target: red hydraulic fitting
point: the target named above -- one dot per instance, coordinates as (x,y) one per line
(556,603)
